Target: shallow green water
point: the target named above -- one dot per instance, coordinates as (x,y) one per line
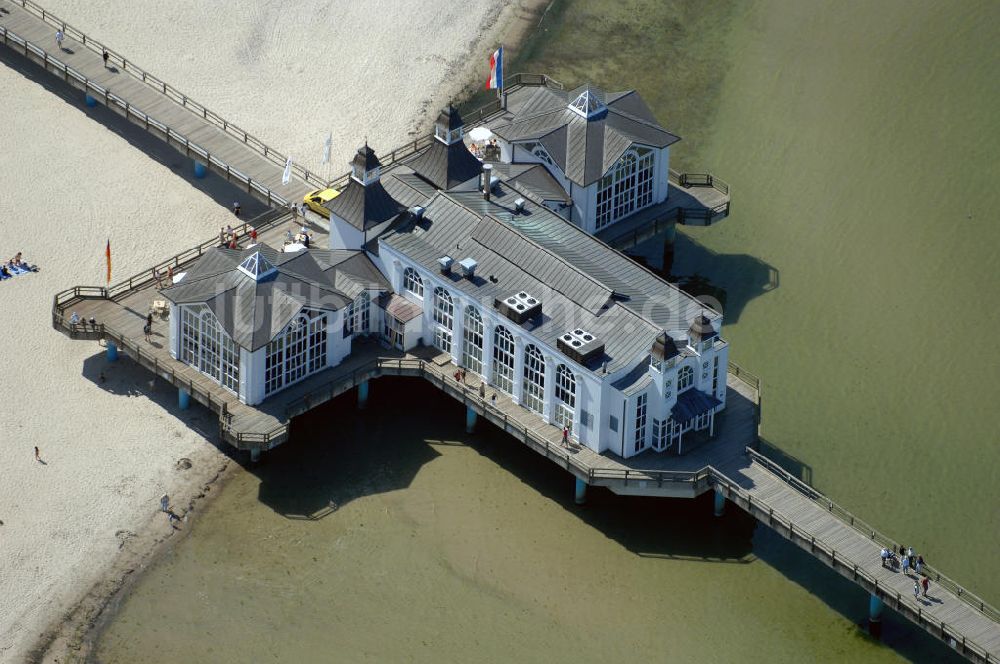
(861,258)
(861,267)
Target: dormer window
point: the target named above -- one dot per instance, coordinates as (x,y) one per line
(257,267)
(589,104)
(365,167)
(448,126)
(537,150)
(448,136)
(363,176)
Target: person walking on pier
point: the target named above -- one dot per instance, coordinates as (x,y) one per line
(925,582)
(59,38)
(916,590)
(885,556)
(237,208)
(912,557)
(906,565)
(920,564)
(104,56)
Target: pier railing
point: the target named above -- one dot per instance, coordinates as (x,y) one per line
(120,105)
(63,299)
(687,180)
(873,534)
(899,602)
(168,90)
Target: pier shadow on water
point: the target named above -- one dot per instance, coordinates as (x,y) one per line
(741,277)
(338,453)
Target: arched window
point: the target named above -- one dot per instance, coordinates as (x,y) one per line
(413,283)
(297,351)
(685,379)
(565,396)
(472,345)
(206,347)
(533,387)
(627,187)
(503,360)
(444,316)
(357,318)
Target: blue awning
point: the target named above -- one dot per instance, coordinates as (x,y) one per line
(691,404)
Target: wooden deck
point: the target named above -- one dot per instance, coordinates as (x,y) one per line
(844,542)
(153,104)
(727,463)
(694,205)
(724,463)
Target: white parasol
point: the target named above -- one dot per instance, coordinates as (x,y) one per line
(480,134)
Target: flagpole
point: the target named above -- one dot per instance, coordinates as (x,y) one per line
(500,68)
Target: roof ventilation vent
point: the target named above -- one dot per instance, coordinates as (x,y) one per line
(468,266)
(519,205)
(519,307)
(417,212)
(445,263)
(580,346)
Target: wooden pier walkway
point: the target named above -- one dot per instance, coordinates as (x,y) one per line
(162,110)
(844,542)
(727,464)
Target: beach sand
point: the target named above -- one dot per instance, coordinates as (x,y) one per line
(76,525)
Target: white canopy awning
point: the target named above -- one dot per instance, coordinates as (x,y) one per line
(480,134)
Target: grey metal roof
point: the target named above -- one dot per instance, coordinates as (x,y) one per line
(583,148)
(252,312)
(449,118)
(352,270)
(446,166)
(540,182)
(581,282)
(366,159)
(399,307)
(635,380)
(364,206)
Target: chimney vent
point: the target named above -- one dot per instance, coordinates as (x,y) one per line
(487,181)
(468,266)
(519,205)
(445,263)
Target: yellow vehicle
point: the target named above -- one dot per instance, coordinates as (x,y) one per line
(315,200)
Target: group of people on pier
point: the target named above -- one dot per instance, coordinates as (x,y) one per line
(908,559)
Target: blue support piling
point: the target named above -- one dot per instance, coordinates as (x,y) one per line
(581,492)
(720,502)
(89,101)
(200,170)
(183,398)
(875,607)
(362,394)
(470,419)
(112,351)
(875,616)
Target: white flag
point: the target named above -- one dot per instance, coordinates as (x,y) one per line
(287,175)
(327,146)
